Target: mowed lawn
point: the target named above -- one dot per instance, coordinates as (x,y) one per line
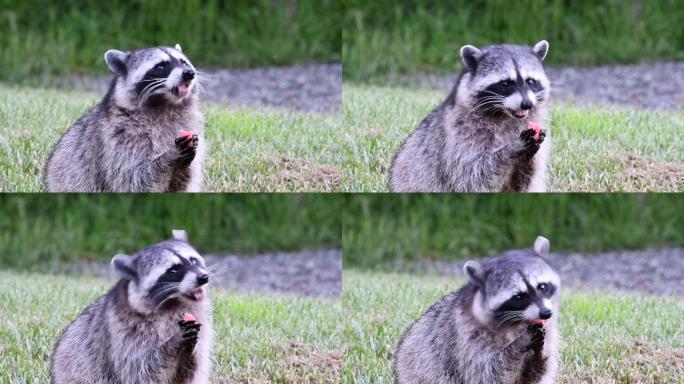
(596,149)
(607,338)
(249,149)
(260,338)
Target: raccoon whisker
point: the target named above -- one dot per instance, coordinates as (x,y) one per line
(151,87)
(164,291)
(509,318)
(487,105)
(147,92)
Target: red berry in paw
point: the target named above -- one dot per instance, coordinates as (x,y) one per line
(537,129)
(186,134)
(189,317)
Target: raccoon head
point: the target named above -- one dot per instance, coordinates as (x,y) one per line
(503,80)
(151,76)
(515,288)
(170,272)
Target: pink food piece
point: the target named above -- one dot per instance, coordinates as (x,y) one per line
(537,129)
(183,133)
(539,321)
(189,317)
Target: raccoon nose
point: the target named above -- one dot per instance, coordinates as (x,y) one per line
(188,75)
(202,279)
(545,313)
(526,104)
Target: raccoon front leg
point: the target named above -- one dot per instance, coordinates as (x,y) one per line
(149,173)
(508,368)
(187,364)
(524,151)
(535,365)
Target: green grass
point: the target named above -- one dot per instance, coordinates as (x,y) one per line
(250,150)
(47,230)
(41,39)
(258,337)
(595,149)
(381,231)
(606,337)
(387,38)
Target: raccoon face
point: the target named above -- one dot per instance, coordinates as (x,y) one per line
(152,75)
(504,80)
(170,270)
(516,288)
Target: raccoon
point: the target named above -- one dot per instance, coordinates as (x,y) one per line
(130,141)
(137,332)
(479,139)
(501,327)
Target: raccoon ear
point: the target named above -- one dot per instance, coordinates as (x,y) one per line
(116,61)
(542,246)
(123,266)
(178,48)
(474,270)
(470,56)
(541,49)
(179,234)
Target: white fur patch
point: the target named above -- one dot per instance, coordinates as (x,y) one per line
(513,101)
(546,277)
(531,312)
(480,313)
(174,77)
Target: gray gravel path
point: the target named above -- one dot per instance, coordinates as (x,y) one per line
(659,272)
(310,88)
(651,86)
(315,273)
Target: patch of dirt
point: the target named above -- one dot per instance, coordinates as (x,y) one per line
(323,176)
(304,363)
(644,363)
(648,170)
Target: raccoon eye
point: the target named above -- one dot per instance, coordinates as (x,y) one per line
(161,66)
(184,62)
(194,261)
(518,297)
(531,82)
(174,269)
(542,287)
(506,83)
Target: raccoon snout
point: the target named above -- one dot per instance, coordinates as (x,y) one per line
(526,105)
(545,313)
(188,74)
(204,278)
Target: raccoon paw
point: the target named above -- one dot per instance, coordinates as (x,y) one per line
(537,334)
(528,145)
(190,332)
(187,149)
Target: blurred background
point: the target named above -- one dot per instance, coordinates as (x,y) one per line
(284,243)
(383,38)
(382,229)
(40,38)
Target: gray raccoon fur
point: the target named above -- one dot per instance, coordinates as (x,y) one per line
(129,142)
(480,334)
(478,140)
(132,334)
